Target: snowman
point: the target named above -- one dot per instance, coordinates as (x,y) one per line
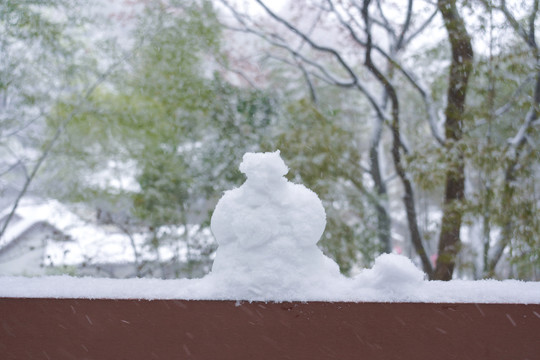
(268,228)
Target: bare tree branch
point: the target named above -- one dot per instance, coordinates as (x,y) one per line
(11,167)
(506,107)
(532,26)
(311,87)
(520,30)
(397,146)
(238,72)
(312,43)
(422,27)
(59,130)
(401,37)
(385,23)
(24,126)
(329,78)
(425,94)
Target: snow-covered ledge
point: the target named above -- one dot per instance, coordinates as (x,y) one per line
(272,294)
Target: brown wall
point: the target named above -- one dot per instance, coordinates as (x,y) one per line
(178,329)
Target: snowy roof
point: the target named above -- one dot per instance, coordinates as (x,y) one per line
(30,212)
(90,242)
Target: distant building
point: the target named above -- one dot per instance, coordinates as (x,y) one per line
(44,238)
(24,249)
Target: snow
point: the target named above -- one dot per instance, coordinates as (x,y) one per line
(457,291)
(89,243)
(117,176)
(267,231)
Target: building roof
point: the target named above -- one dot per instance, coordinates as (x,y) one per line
(89,242)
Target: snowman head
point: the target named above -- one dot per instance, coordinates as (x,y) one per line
(267,167)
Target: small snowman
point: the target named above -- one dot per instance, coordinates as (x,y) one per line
(268,228)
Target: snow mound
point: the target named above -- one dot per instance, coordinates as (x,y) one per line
(267,230)
(391,271)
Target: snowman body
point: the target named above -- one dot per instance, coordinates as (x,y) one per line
(268,228)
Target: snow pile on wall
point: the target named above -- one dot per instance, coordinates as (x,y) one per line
(80,241)
(267,231)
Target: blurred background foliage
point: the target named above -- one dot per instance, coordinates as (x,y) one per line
(145,127)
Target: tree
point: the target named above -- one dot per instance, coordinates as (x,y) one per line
(341,71)
(512,141)
(322,153)
(372,53)
(383,122)
(460,70)
(179,127)
(41,64)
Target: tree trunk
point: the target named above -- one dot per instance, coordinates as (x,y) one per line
(460,69)
(383,218)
